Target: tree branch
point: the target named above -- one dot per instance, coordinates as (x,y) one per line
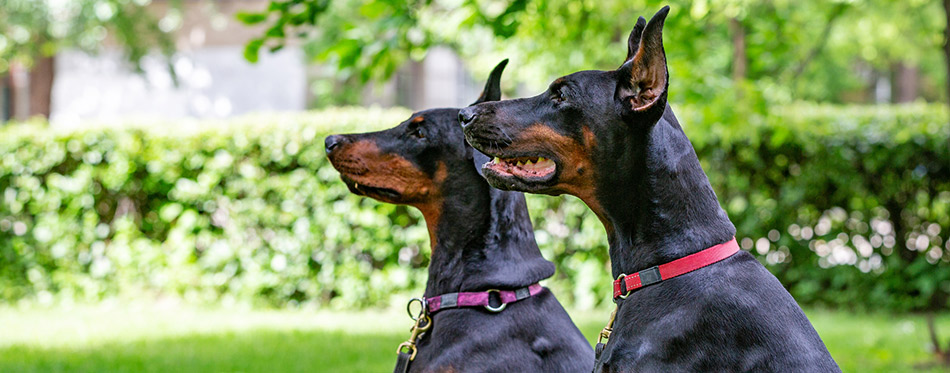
(946,46)
(739,59)
(822,40)
(933,334)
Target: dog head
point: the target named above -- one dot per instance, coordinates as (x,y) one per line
(578,135)
(410,163)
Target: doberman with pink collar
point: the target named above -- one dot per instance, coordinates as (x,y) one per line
(687,298)
(485,311)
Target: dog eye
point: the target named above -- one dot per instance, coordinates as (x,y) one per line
(558,97)
(417,133)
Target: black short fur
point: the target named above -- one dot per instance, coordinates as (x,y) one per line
(633,165)
(483,239)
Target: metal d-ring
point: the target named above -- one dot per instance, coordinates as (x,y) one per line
(495,309)
(623,296)
(411,349)
(422,311)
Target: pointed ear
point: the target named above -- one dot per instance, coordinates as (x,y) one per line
(633,42)
(492,91)
(643,79)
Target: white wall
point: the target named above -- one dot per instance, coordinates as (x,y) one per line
(446,82)
(213,81)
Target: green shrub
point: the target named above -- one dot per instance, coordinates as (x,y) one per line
(858,198)
(249,210)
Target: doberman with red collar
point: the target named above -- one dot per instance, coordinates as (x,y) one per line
(687,298)
(481,240)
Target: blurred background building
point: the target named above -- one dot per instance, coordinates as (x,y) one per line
(209,77)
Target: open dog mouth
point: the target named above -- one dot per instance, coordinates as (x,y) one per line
(515,170)
(523,173)
(537,168)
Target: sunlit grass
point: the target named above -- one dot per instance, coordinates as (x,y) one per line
(131,339)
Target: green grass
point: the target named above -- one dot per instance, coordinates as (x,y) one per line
(173,339)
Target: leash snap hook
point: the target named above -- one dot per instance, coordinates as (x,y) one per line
(609,328)
(423,324)
(411,349)
(422,311)
(489,306)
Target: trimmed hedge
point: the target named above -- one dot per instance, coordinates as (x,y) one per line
(249,210)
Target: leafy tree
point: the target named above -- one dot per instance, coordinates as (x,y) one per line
(763,52)
(32,32)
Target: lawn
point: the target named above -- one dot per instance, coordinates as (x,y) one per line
(182,339)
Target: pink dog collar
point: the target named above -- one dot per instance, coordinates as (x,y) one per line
(481,299)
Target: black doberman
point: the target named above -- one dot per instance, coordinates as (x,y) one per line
(611,139)
(481,239)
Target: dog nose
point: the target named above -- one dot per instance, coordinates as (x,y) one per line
(466,116)
(332,141)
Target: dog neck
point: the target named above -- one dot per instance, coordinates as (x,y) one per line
(483,239)
(669,209)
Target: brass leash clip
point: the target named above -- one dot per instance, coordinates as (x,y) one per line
(605,333)
(423,323)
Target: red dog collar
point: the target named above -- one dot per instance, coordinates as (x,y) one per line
(626,284)
(481,299)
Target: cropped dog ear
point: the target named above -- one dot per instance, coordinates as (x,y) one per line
(633,42)
(643,78)
(492,91)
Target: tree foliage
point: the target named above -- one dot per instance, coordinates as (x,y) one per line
(795,50)
(31,29)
